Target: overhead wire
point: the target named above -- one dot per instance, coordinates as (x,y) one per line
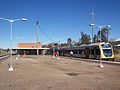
(45,34)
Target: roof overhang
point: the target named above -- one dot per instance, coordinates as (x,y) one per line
(118,45)
(32,48)
(114,40)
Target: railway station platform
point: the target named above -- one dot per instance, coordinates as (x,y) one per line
(33,72)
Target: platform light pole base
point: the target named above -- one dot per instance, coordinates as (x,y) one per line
(10,68)
(101,65)
(53,56)
(16,58)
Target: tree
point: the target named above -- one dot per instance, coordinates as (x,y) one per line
(104,34)
(77,44)
(63,44)
(50,45)
(56,44)
(85,38)
(69,41)
(95,39)
(44,46)
(8,49)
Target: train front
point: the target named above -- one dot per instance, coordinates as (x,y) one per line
(107,51)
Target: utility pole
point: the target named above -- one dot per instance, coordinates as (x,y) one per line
(58,50)
(92,14)
(37,23)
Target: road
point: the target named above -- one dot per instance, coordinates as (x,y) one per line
(47,73)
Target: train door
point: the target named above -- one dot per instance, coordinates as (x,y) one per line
(90,52)
(95,55)
(81,53)
(96,52)
(86,52)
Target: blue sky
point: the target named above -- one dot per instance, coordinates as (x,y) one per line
(60,19)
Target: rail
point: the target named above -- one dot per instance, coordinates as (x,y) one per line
(2,56)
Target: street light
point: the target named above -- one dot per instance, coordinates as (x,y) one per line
(100,27)
(37,37)
(18,38)
(58,50)
(11,22)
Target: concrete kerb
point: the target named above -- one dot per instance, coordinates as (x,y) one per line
(96,61)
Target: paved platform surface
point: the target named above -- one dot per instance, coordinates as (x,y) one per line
(48,73)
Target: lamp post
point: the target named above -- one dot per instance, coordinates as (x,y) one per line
(92,14)
(11,23)
(100,27)
(101,65)
(58,50)
(18,38)
(37,23)
(53,51)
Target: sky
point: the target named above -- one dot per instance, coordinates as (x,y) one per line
(58,19)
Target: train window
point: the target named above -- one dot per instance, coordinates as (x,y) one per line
(92,51)
(80,51)
(107,52)
(66,51)
(106,46)
(75,52)
(98,51)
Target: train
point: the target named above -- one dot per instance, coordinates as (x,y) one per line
(90,51)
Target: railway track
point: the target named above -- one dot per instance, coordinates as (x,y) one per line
(3,57)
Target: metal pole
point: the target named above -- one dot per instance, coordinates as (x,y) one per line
(93,14)
(101,65)
(107,36)
(17,50)
(58,50)
(37,38)
(11,67)
(92,27)
(53,52)
(11,43)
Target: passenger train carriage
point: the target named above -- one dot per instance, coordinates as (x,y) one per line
(96,51)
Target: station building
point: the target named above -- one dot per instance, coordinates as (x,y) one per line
(30,49)
(116,43)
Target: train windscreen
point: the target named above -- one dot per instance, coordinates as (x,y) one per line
(107,50)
